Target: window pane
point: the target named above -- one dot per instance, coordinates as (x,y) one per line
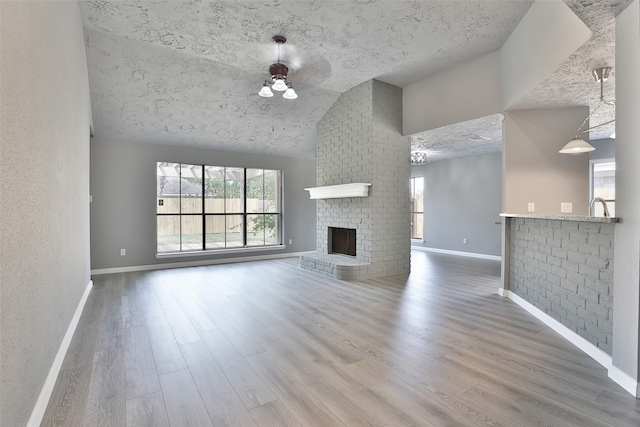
(191,232)
(168,187)
(168,229)
(224,231)
(191,189)
(263,230)
(214,189)
(417,226)
(272,229)
(233,231)
(234,190)
(255,230)
(255,190)
(417,194)
(604,180)
(216,227)
(272,195)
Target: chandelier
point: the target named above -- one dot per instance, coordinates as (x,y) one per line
(418,158)
(578,145)
(278,72)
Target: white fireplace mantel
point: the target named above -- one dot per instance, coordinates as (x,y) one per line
(356,189)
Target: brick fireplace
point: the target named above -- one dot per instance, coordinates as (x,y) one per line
(360,140)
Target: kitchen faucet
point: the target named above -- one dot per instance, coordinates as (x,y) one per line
(604,205)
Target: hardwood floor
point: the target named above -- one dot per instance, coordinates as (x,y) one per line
(268,344)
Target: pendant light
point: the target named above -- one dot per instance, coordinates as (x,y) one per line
(578,145)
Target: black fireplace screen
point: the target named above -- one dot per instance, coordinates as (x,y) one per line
(342,241)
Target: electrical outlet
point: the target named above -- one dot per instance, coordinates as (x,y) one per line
(566,207)
(531,207)
(123,252)
(291,241)
(465,241)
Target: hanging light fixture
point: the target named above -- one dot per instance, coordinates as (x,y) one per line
(578,145)
(418,158)
(278,72)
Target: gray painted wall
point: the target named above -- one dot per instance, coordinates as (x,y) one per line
(626,299)
(44,232)
(534,171)
(463,199)
(605,149)
(123,211)
(453,96)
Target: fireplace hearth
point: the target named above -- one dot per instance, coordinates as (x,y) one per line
(342,241)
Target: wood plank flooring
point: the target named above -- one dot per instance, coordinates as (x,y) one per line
(268,344)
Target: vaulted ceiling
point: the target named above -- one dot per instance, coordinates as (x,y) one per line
(188,72)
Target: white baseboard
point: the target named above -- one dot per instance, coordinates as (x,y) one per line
(458,253)
(623,380)
(45,394)
(193,263)
(591,350)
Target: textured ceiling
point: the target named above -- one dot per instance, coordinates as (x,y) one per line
(188,72)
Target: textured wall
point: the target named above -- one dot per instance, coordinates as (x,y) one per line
(541,42)
(44,191)
(359,140)
(123,188)
(626,331)
(463,200)
(565,268)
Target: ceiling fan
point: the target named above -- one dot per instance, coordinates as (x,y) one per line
(279,73)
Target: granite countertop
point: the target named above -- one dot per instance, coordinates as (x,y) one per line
(564,217)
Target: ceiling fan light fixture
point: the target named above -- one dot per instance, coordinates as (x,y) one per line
(576,146)
(289,93)
(265,92)
(279,73)
(279,85)
(418,158)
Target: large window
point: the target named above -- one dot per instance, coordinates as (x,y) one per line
(203,207)
(603,184)
(417,207)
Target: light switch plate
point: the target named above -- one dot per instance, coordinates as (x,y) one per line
(566,207)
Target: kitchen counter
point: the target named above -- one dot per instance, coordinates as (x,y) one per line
(564,217)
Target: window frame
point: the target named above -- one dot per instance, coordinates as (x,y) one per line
(203,215)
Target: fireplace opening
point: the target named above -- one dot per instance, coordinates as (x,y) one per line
(342,241)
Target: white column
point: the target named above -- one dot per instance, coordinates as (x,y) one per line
(626,295)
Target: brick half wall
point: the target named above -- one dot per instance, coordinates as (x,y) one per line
(565,269)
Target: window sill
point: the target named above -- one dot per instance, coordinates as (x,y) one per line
(210,252)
